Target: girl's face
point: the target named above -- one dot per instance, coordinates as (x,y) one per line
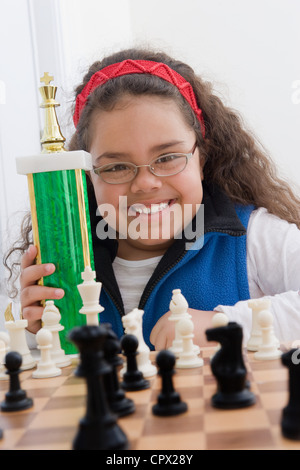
(139,130)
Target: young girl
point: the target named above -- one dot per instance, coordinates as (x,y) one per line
(162,144)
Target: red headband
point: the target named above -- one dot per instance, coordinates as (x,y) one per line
(138,66)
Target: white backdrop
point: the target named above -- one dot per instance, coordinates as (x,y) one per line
(249,49)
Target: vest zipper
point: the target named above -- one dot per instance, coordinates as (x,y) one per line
(150,288)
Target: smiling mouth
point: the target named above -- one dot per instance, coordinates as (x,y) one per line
(149,209)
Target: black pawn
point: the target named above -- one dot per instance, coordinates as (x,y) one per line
(118,402)
(98,429)
(169,402)
(229,369)
(290,421)
(15,399)
(133,379)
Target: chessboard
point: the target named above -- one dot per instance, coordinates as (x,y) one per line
(60,403)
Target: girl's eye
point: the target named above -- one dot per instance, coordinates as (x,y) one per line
(115,168)
(166,158)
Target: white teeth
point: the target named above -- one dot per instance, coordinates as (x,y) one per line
(148,210)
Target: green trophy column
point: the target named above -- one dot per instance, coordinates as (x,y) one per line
(60,215)
(62,241)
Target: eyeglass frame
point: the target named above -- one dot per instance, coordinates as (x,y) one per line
(135,167)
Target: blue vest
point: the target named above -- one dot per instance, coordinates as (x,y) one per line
(213,274)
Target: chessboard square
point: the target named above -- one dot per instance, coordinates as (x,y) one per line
(133,428)
(189,381)
(241,440)
(39,393)
(206,370)
(259,365)
(195,405)
(160,425)
(182,440)
(274,400)
(269,375)
(77,389)
(209,390)
(68,401)
(207,353)
(234,420)
(268,387)
(63,417)
(54,438)
(141,397)
(47,383)
(11,437)
(17,419)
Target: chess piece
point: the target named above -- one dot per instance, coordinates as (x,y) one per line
(179,311)
(45,366)
(228,367)
(52,139)
(16,331)
(15,399)
(51,321)
(257,305)
(98,429)
(219,319)
(187,358)
(169,402)
(133,325)
(133,378)
(118,402)
(90,293)
(290,419)
(267,350)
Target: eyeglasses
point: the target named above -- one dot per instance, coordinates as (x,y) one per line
(124,172)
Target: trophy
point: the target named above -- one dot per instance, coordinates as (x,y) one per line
(59,210)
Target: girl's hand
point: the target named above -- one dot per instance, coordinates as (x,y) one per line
(31,292)
(163,332)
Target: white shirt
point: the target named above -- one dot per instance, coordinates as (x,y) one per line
(273,266)
(132,277)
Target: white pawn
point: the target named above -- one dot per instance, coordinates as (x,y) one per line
(187,357)
(89,291)
(219,319)
(257,305)
(267,350)
(45,366)
(179,310)
(16,330)
(51,321)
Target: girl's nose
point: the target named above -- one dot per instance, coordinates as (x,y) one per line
(145,181)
